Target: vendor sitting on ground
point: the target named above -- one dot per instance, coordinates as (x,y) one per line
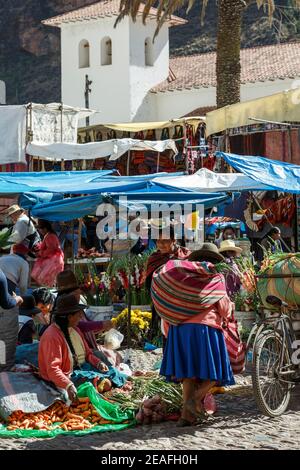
(63,347)
(27,311)
(68,284)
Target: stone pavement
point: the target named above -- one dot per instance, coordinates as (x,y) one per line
(237,425)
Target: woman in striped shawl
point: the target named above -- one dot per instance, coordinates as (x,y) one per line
(167,249)
(190,296)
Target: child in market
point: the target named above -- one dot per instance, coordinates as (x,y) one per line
(44,300)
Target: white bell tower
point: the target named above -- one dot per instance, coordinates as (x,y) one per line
(122,63)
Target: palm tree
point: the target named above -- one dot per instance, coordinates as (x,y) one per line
(230,12)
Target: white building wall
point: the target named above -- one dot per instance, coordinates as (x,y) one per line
(2,92)
(119,90)
(142,77)
(169,105)
(109,90)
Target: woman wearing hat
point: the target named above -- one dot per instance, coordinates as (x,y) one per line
(67,284)
(193,315)
(167,248)
(63,348)
(233,275)
(24,234)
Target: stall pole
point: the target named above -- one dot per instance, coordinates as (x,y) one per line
(129,299)
(73,243)
(29,136)
(61,121)
(128,163)
(157,165)
(290,153)
(79,232)
(185,149)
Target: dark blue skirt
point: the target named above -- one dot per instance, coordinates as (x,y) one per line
(196,351)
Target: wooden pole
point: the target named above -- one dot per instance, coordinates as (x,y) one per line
(73,243)
(290,152)
(157,165)
(30,135)
(128,163)
(79,232)
(61,122)
(129,300)
(185,147)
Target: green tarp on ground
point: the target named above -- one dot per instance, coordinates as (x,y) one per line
(121,419)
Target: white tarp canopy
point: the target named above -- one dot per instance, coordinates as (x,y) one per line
(53,122)
(12,134)
(114,148)
(205,180)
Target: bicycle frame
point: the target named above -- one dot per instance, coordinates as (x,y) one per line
(280,325)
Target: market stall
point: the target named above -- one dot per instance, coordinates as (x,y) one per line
(187,133)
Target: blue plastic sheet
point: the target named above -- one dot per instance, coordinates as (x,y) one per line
(72,182)
(277,175)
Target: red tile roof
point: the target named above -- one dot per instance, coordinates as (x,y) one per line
(100,10)
(259,64)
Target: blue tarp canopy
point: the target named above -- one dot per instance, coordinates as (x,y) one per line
(72,182)
(134,200)
(279,176)
(67,209)
(76,207)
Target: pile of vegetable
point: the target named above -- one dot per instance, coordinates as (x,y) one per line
(79,416)
(4,238)
(270,259)
(150,396)
(91,253)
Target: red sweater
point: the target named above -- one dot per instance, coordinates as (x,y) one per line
(55,358)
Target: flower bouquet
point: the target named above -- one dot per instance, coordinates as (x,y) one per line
(96,289)
(132,270)
(139,324)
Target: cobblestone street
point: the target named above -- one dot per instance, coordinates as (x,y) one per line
(237,425)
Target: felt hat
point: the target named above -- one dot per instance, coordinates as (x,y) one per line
(208,252)
(66,281)
(66,304)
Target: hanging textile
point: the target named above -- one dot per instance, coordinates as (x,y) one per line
(138,155)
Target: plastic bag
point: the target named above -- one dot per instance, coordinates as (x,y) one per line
(113,339)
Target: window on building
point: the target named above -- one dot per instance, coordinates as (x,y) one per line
(84,54)
(149,54)
(106,51)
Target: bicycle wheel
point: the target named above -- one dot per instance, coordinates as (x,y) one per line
(272,395)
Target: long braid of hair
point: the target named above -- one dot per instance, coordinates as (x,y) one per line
(62,322)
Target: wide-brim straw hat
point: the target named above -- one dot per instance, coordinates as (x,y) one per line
(229,245)
(208,252)
(13,209)
(66,304)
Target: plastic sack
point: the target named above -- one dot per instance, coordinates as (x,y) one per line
(125,369)
(113,339)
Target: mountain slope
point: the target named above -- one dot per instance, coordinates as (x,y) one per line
(30,52)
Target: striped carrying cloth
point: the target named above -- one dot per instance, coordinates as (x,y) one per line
(181,289)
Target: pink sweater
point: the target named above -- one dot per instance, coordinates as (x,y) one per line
(214,316)
(55,358)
